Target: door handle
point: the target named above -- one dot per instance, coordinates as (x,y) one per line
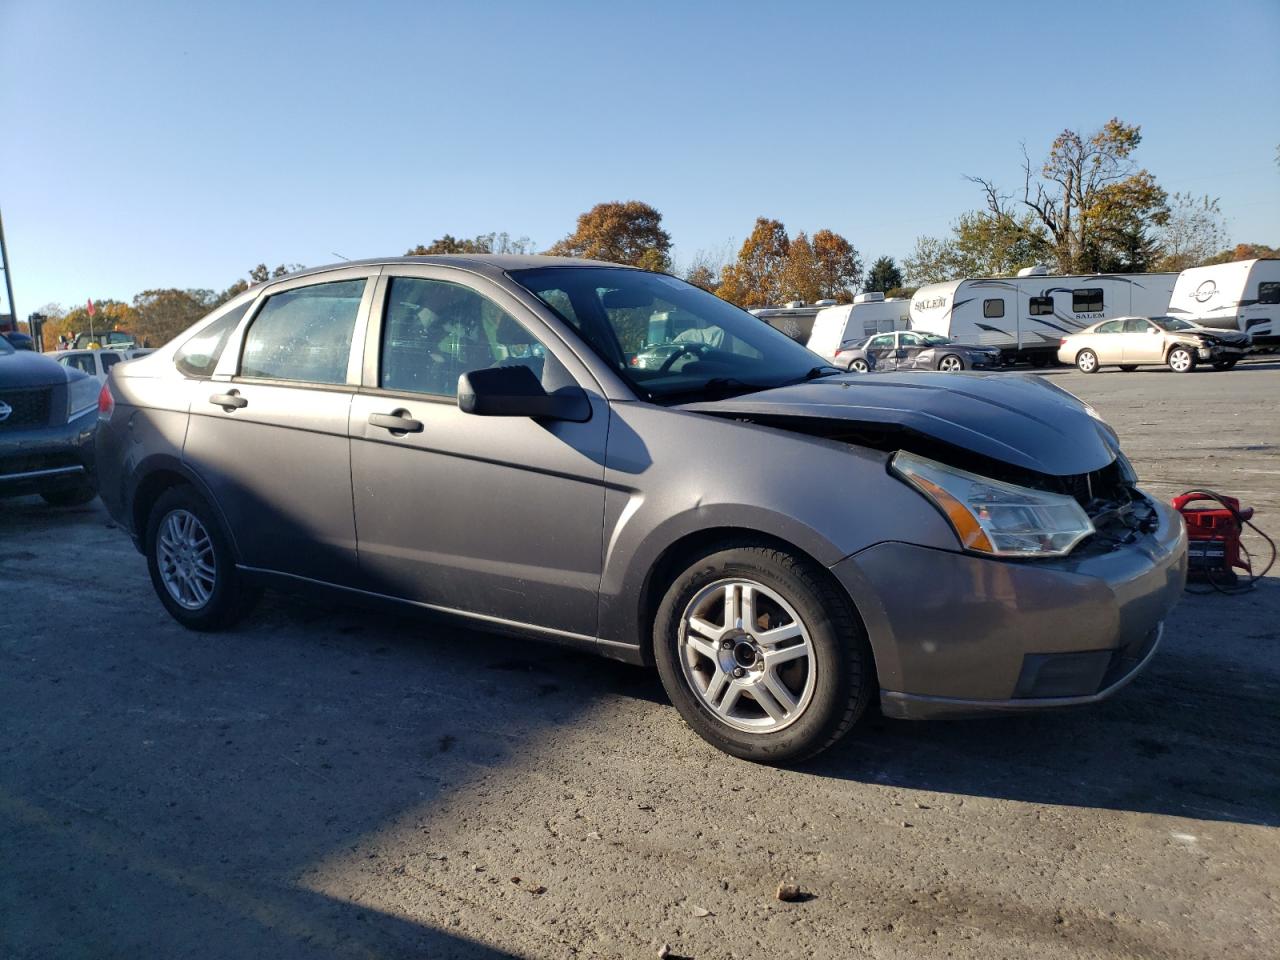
(229,401)
(399,423)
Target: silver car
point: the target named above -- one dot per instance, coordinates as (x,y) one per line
(785,542)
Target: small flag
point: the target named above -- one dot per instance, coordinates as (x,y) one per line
(91,308)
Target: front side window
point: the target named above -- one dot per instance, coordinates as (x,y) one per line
(1269,292)
(669,339)
(1088,300)
(910,340)
(1111,326)
(304,334)
(1042,306)
(199,356)
(992,309)
(1136,325)
(434,331)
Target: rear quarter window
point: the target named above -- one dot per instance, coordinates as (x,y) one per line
(198,357)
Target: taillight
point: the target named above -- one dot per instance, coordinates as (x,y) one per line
(106,402)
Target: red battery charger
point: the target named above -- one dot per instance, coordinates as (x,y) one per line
(1213,535)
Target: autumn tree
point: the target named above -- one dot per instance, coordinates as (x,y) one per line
(839,266)
(629,232)
(755,279)
(483,243)
(883,276)
(799,280)
(163,314)
(1194,233)
(107,315)
(1245,251)
(1097,207)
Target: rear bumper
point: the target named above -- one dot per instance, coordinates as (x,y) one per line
(954,633)
(48,457)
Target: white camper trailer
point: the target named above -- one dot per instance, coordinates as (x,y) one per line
(1243,296)
(1028,315)
(869,314)
(795,319)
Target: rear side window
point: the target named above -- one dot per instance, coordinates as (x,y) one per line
(199,356)
(1088,300)
(109,360)
(1269,292)
(304,334)
(81,361)
(1042,306)
(992,309)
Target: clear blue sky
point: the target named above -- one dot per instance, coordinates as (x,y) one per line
(177,144)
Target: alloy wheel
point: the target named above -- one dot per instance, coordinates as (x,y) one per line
(950,364)
(858,366)
(747,656)
(184,554)
(1087,361)
(1180,360)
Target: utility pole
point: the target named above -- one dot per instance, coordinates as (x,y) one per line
(8,281)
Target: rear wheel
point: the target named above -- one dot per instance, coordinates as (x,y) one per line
(859,365)
(1181,360)
(762,654)
(950,364)
(1087,361)
(1128,367)
(191,565)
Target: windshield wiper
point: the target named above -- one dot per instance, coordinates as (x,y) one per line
(826,370)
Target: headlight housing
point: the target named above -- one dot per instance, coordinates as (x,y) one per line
(82,396)
(996,518)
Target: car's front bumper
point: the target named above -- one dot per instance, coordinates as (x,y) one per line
(957,633)
(47,457)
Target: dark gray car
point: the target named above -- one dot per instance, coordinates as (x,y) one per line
(48,415)
(784,541)
(916,350)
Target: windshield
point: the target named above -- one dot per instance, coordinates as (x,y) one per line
(669,339)
(1172,323)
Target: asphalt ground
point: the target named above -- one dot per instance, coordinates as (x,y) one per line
(325,781)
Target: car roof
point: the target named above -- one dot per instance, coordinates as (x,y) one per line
(489,263)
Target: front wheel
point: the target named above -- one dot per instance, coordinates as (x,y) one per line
(859,366)
(1087,361)
(950,364)
(1181,360)
(762,654)
(190,561)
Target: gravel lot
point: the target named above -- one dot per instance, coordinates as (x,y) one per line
(326,782)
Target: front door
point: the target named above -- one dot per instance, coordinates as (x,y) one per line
(1108,342)
(269,433)
(1143,341)
(500,518)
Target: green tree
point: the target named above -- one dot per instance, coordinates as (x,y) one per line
(484,243)
(983,243)
(260,273)
(628,232)
(883,276)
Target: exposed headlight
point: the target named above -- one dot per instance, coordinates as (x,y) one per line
(996,518)
(82,396)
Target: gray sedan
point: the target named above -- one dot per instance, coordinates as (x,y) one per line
(467,436)
(914,350)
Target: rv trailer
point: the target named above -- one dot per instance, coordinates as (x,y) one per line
(1243,296)
(1028,315)
(869,314)
(795,319)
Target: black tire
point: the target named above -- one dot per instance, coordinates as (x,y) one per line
(1225,364)
(1128,367)
(1087,361)
(231,597)
(1181,360)
(72,496)
(844,671)
(859,366)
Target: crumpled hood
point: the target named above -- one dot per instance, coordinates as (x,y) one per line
(1019,419)
(24,368)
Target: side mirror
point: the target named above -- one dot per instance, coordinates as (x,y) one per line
(514,391)
(1152,330)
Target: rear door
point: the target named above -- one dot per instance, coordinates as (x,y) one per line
(500,518)
(270,435)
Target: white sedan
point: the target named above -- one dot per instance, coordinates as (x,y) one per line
(1130,342)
